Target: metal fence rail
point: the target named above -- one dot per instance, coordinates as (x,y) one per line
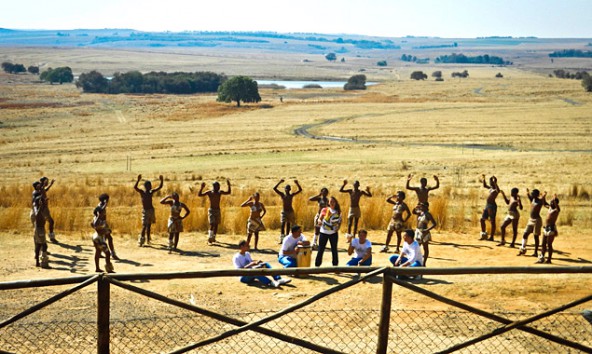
(304,327)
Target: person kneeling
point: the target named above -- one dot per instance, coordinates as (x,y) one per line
(411,254)
(363,248)
(243,260)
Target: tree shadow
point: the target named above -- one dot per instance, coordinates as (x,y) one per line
(459,245)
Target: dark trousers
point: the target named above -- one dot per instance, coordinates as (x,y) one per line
(323,238)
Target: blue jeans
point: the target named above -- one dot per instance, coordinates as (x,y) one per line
(288,262)
(394,258)
(263,279)
(354,262)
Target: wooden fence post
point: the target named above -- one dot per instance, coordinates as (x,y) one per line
(385,314)
(103,299)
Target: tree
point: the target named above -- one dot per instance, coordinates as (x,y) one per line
(356,82)
(239,88)
(331,57)
(93,82)
(499,75)
(33,69)
(418,75)
(437,74)
(587,83)
(61,75)
(382,63)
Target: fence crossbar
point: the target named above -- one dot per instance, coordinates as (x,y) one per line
(523,322)
(489,315)
(49,301)
(220,317)
(280,313)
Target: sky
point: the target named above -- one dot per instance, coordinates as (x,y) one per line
(385,18)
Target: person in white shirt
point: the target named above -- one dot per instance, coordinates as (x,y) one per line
(288,251)
(243,260)
(411,255)
(330,221)
(363,249)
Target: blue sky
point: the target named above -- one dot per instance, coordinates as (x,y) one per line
(394,18)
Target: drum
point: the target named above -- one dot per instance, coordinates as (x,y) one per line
(303,256)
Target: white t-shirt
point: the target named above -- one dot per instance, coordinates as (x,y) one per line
(412,252)
(241,261)
(290,243)
(360,249)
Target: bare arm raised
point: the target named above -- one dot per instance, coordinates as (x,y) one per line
(275,188)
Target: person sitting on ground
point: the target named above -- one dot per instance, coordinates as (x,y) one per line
(148,214)
(550,230)
(397,223)
(242,260)
(423,191)
(535,222)
(214,214)
(355,212)
(422,232)
(322,201)
(363,249)
(102,240)
(411,255)
(287,215)
(100,225)
(255,223)
(175,224)
(513,216)
(288,252)
(490,210)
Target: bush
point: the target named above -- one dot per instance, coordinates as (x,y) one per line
(499,75)
(382,63)
(13,68)
(356,82)
(464,74)
(60,75)
(587,83)
(418,75)
(33,69)
(312,86)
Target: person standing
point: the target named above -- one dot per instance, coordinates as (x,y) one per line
(355,212)
(214,214)
(535,222)
(422,233)
(287,216)
(330,221)
(398,221)
(99,223)
(513,216)
(550,230)
(423,191)
(490,210)
(148,214)
(257,212)
(175,224)
(322,201)
(39,233)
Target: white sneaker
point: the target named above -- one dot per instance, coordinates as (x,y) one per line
(282,281)
(276,283)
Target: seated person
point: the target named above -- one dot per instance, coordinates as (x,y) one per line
(242,260)
(411,255)
(288,251)
(363,248)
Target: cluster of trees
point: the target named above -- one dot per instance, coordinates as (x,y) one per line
(60,75)
(562,74)
(463,59)
(11,68)
(453,45)
(356,82)
(414,59)
(152,82)
(463,75)
(571,53)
